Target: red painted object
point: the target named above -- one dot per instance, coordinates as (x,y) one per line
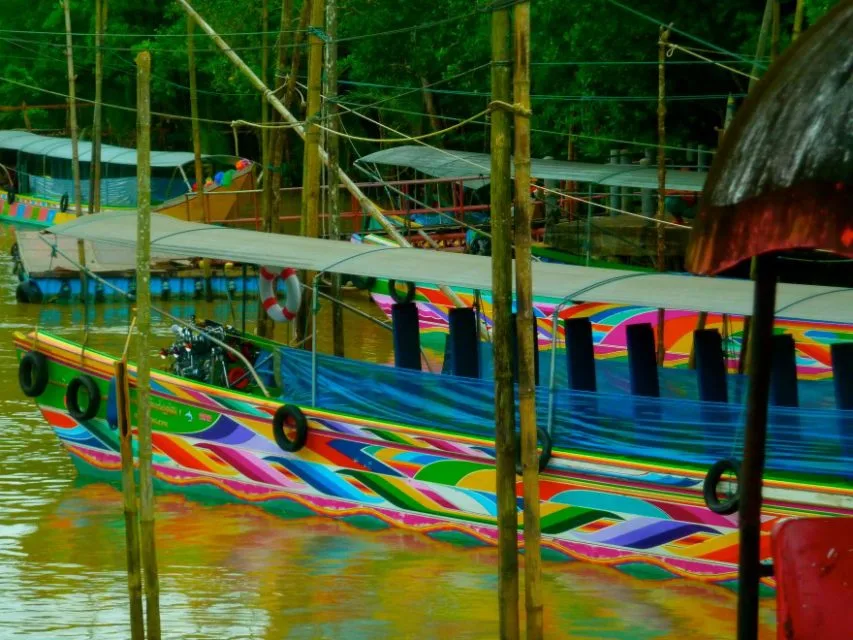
(813,560)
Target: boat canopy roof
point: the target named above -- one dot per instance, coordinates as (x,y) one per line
(175,238)
(442,163)
(60,148)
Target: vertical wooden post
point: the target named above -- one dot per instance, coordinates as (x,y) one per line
(265,326)
(525,322)
(128,486)
(501,336)
(95,163)
(267,192)
(330,111)
(310,226)
(199,173)
(75,154)
(661,214)
(798,20)
(762,42)
(277,138)
(311,171)
(755,436)
(777,25)
(304,18)
(766,20)
(143,355)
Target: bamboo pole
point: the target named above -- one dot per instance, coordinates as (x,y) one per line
(777,26)
(196,127)
(304,17)
(330,112)
(128,486)
(265,326)
(798,20)
(277,138)
(501,336)
(766,20)
(525,323)
(755,436)
(309,223)
(762,42)
(266,193)
(75,152)
(95,166)
(143,366)
(311,170)
(661,213)
(367,205)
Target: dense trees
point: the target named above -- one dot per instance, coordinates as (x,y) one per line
(575,82)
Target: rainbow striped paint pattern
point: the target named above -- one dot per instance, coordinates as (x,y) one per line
(609,322)
(646,519)
(32,211)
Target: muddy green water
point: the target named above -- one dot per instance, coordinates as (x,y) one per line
(235,571)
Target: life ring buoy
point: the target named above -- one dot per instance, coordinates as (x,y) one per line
(266,289)
(32,374)
(294,419)
(72,398)
(63,203)
(546,445)
(398,297)
(709,487)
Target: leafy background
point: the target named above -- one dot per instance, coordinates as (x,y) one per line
(599,101)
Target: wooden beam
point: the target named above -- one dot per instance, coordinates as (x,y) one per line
(143,350)
(501,336)
(526,323)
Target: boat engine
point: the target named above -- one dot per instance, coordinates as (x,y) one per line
(196,356)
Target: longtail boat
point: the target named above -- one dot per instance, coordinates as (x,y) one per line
(627,480)
(36,186)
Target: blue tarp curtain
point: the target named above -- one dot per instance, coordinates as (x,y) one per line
(676,428)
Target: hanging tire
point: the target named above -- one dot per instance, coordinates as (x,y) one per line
(63,203)
(398,297)
(544,456)
(28,292)
(712,480)
(72,398)
(32,374)
(293,418)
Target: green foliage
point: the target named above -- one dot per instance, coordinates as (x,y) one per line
(616,101)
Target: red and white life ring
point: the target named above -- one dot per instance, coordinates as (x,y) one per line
(266,287)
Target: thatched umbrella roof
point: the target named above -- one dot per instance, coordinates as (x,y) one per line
(783,177)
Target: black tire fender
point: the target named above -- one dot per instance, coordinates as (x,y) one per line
(293,417)
(72,397)
(28,292)
(63,203)
(709,487)
(32,374)
(397,296)
(544,440)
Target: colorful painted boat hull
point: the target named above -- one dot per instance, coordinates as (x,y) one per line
(609,322)
(225,203)
(648,520)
